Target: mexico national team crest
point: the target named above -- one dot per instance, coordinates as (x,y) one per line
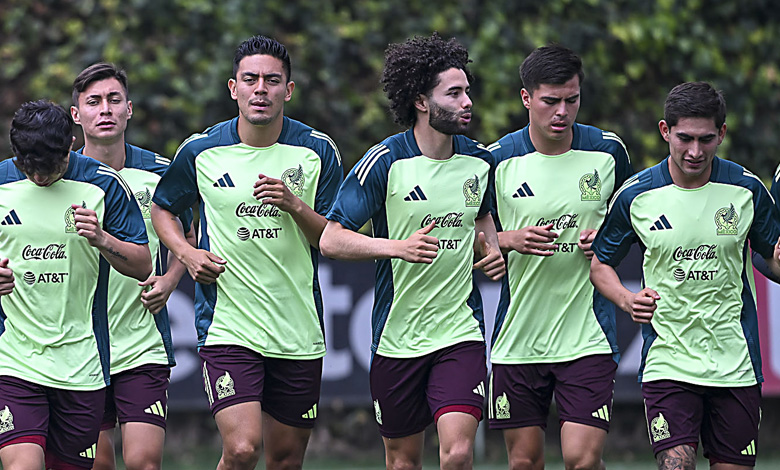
(502,407)
(6,420)
(294,180)
(590,186)
(225,386)
(659,428)
(471,191)
(70,218)
(378,412)
(726,219)
(144,199)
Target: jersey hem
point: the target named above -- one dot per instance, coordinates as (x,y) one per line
(551,359)
(58,385)
(136,364)
(703,383)
(265,353)
(429,350)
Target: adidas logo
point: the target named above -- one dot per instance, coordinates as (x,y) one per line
(89,453)
(602,413)
(661,224)
(750,449)
(523,191)
(225,182)
(416,195)
(11,219)
(480,390)
(156,409)
(311,414)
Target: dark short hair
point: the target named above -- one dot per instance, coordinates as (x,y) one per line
(412,69)
(262,45)
(550,65)
(95,73)
(41,136)
(692,100)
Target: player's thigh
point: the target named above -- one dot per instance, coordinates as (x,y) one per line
(519,395)
(404,452)
(74,425)
(582,445)
(241,425)
(291,392)
(232,375)
(105,455)
(729,432)
(584,389)
(284,445)
(398,391)
(22,455)
(456,431)
(142,445)
(525,447)
(674,413)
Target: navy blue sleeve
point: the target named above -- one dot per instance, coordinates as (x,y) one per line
(331,173)
(122,217)
(765,229)
(364,189)
(177,190)
(617,234)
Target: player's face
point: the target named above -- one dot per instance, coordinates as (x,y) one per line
(260,89)
(449,105)
(693,142)
(103,111)
(552,110)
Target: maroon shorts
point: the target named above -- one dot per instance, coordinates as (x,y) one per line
(288,389)
(138,395)
(520,394)
(69,420)
(726,418)
(407,393)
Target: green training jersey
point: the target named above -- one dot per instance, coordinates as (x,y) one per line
(546,310)
(268,298)
(421,308)
(54,323)
(696,256)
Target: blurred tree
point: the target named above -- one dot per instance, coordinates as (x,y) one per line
(178,55)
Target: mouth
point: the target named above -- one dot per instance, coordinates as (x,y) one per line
(559,126)
(106,124)
(259,105)
(465,118)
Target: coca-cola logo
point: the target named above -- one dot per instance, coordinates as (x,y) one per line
(257,210)
(452,219)
(52,251)
(561,222)
(694,254)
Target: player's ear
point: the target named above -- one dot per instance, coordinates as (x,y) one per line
(129,109)
(232,87)
(421,103)
(525,96)
(663,127)
(74,113)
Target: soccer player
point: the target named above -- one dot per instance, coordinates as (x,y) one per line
(554,178)
(141,348)
(65,219)
(263,183)
(693,214)
(427,192)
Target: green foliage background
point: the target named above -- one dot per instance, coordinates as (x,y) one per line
(178,54)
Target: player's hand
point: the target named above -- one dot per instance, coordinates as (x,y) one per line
(643,305)
(777,250)
(490,260)
(204,267)
(6,278)
(420,247)
(155,298)
(88,226)
(533,240)
(273,191)
(586,240)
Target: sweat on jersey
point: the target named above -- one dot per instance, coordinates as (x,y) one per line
(696,256)
(137,337)
(54,329)
(546,310)
(420,308)
(268,299)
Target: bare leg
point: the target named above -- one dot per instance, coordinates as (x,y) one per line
(284,445)
(525,448)
(404,453)
(682,457)
(241,428)
(582,446)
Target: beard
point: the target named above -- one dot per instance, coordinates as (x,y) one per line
(447,122)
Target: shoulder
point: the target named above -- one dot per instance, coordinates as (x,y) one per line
(298,133)
(221,134)
(645,180)
(143,159)
(9,173)
(593,138)
(511,145)
(91,171)
(728,172)
(470,147)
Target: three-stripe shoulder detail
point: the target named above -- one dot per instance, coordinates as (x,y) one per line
(322,136)
(372,156)
(628,183)
(189,139)
(105,171)
(606,135)
(494,146)
(160,160)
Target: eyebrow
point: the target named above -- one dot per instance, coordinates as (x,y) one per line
(558,98)
(683,134)
(111,94)
(257,75)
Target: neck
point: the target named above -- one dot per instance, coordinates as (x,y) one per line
(688,182)
(112,154)
(432,143)
(546,146)
(259,135)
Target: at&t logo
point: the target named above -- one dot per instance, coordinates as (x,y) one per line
(245,234)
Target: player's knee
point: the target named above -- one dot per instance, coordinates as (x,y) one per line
(403,463)
(139,461)
(584,462)
(283,462)
(241,454)
(525,462)
(459,455)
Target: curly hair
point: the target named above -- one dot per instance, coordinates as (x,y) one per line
(41,136)
(412,69)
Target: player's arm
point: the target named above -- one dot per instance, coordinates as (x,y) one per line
(486,248)
(6,278)
(586,241)
(273,191)
(163,286)
(531,240)
(341,243)
(130,259)
(773,263)
(203,266)
(640,306)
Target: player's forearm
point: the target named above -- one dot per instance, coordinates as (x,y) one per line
(339,242)
(310,222)
(504,241)
(486,225)
(128,258)
(168,229)
(175,268)
(605,279)
(774,267)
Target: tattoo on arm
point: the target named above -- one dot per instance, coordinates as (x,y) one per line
(682,457)
(117,254)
